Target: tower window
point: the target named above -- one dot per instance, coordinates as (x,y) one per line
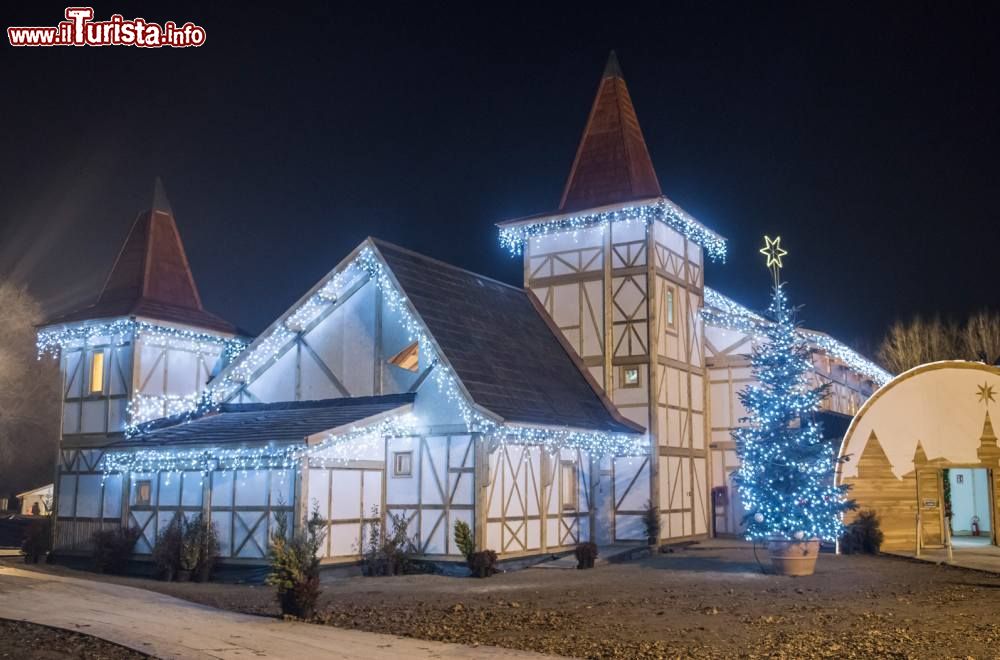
(569,486)
(630,377)
(97,372)
(670,307)
(408,358)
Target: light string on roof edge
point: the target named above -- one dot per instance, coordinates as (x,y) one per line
(182,408)
(514,238)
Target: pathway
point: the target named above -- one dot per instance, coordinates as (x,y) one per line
(168,627)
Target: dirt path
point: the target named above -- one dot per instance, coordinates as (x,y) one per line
(707,601)
(167,627)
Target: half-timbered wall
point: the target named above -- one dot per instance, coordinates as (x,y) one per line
(175,367)
(645,348)
(86,502)
(96,409)
(430,483)
(535,501)
(345,352)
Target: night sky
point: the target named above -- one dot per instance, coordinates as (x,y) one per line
(867,136)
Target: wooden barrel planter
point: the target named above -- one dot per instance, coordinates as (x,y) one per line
(794,558)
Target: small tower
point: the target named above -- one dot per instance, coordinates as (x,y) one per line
(618,267)
(146,335)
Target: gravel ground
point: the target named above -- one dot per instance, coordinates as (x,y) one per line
(28,641)
(709,601)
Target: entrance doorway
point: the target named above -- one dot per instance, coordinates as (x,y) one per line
(967,491)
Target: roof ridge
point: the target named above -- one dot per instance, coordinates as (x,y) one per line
(420,255)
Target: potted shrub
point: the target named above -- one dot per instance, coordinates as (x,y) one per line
(786,471)
(112,549)
(483,563)
(586,553)
(206,538)
(387,553)
(464,540)
(167,550)
(294,564)
(651,523)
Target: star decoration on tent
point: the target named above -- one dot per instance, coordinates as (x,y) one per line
(986,393)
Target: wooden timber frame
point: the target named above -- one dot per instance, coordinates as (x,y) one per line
(607,274)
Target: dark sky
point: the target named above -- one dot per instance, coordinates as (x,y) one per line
(866,135)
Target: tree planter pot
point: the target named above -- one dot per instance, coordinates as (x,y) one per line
(183,575)
(795,558)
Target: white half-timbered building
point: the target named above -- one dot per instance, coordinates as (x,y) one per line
(543,416)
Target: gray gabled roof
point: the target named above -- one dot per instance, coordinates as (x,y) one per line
(503,351)
(258,423)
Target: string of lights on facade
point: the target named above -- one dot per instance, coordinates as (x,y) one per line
(148,411)
(725,312)
(51,341)
(662,210)
(335,449)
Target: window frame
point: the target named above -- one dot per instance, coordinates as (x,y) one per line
(670,303)
(139,500)
(396,472)
(625,368)
(93,362)
(573,469)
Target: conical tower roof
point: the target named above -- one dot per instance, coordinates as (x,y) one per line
(151,277)
(612,162)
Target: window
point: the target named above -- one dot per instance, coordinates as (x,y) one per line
(568,483)
(143,492)
(402,464)
(630,377)
(408,358)
(670,307)
(97,372)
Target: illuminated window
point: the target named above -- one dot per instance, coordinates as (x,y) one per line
(569,486)
(408,358)
(143,492)
(402,464)
(670,307)
(630,377)
(97,372)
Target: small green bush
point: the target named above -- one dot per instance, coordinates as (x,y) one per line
(294,564)
(167,549)
(586,554)
(483,563)
(186,549)
(463,539)
(863,536)
(651,522)
(385,553)
(113,548)
(38,541)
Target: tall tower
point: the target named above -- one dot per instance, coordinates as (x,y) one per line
(144,347)
(619,268)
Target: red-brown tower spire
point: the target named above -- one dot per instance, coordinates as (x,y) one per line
(612,163)
(151,277)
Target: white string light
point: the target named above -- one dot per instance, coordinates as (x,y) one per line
(663,210)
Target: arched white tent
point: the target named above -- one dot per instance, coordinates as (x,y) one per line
(914,442)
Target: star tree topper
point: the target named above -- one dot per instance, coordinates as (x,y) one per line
(986,393)
(772,250)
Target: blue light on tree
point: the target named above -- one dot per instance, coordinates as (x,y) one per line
(786,468)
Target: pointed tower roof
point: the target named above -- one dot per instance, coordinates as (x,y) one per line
(612,162)
(873,460)
(151,277)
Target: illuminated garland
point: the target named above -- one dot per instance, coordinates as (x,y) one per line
(663,210)
(51,341)
(267,349)
(333,450)
(723,312)
(785,477)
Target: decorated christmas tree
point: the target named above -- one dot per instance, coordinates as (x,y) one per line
(786,474)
